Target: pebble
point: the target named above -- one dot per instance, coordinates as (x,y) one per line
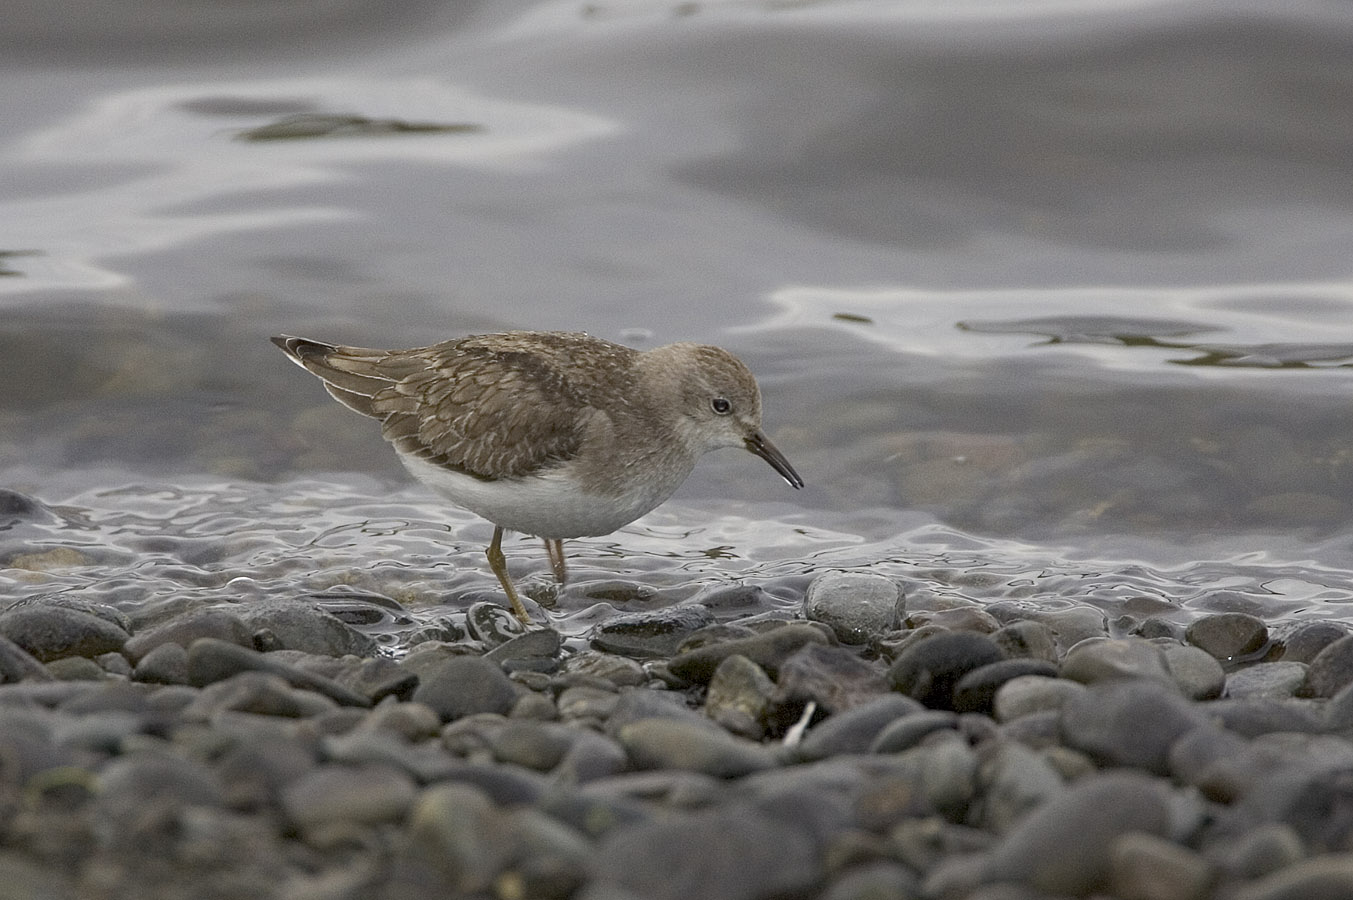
(1105,660)
(1066,845)
(1106,722)
(930,669)
(653,633)
(1266,680)
(855,605)
(298,624)
(767,649)
(1329,672)
(466,685)
(1228,635)
(743,758)
(1304,642)
(54,632)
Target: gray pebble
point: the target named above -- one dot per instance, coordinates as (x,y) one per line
(1029,694)
(54,632)
(1304,642)
(1105,660)
(364,795)
(1328,877)
(535,651)
(1196,673)
(834,678)
(656,633)
(1107,723)
(1331,670)
(458,839)
(976,690)
(731,853)
(767,650)
(665,743)
(620,671)
(1065,846)
(855,730)
(184,629)
(909,730)
(1228,635)
(739,697)
(465,685)
(165,664)
(1027,639)
(1014,781)
(928,670)
(874,881)
(299,624)
(855,605)
(1273,680)
(211,660)
(1145,866)
(534,745)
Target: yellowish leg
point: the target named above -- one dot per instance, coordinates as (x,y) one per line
(555,548)
(499,566)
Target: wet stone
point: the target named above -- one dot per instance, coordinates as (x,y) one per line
(465,685)
(976,690)
(49,632)
(535,651)
(855,730)
(1026,639)
(297,624)
(1304,642)
(1146,867)
(907,731)
(731,853)
(739,697)
(834,678)
(1228,635)
(679,744)
(1330,671)
(768,650)
(332,794)
(1266,680)
(1066,845)
(656,633)
(183,630)
(211,660)
(1106,722)
(929,670)
(855,605)
(1029,694)
(17,664)
(492,623)
(620,671)
(1197,674)
(1106,660)
(166,664)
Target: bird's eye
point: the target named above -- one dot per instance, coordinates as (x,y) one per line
(721,406)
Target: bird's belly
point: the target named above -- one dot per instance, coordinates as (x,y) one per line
(550,506)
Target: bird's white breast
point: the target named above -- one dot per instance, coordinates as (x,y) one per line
(550,505)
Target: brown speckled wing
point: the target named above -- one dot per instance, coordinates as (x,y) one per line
(491,406)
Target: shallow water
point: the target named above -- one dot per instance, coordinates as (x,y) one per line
(1057,294)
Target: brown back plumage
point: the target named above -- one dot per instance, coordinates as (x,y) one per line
(491,406)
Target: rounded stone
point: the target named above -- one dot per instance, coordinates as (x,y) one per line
(855,730)
(1305,641)
(856,605)
(1228,635)
(364,795)
(1331,670)
(1108,723)
(1146,867)
(678,744)
(54,632)
(1197,674)
(976,690)
(767,649)
(183,630)
(465,685)
(1065,846)
(1328,877)
(928,670)
(1274,680)
(1029,694)
(1104,660)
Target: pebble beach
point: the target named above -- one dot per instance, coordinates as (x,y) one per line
(870,743)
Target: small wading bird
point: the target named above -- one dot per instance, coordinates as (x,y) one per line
(550,434)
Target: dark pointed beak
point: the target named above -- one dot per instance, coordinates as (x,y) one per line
(763,448)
